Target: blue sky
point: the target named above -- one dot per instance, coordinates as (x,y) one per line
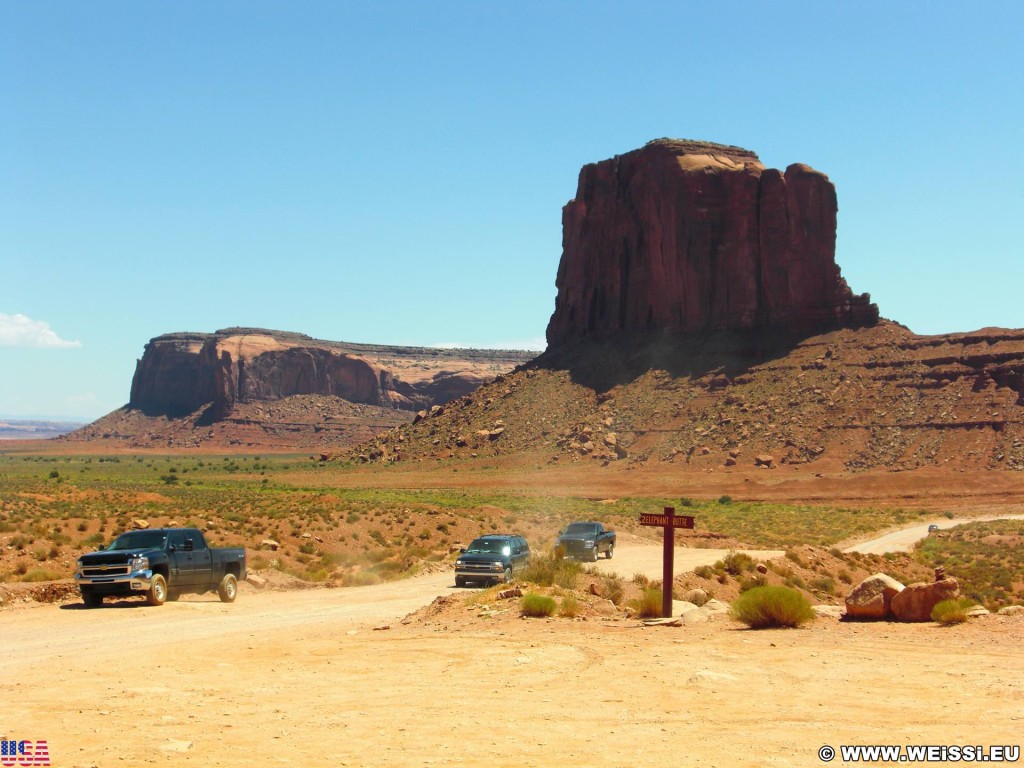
(394,172)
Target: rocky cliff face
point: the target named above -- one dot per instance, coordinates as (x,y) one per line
(180,373)
(693,237)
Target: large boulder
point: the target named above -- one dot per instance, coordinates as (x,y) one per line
(915,603)
(871,598)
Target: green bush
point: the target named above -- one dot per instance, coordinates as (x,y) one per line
(952,611)
(537,605)
(753,582)
(764,607)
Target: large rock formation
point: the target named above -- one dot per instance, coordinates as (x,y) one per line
(182,372)
(692,237)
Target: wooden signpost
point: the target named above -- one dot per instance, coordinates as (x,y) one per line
(669,521)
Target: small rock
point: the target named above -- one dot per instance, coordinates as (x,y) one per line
(978,611)
(697,597)
(762,568)
(256,580)
(270,544)
(828,611)
(764,460)
(1011,610)
(382,628)
(140,523)
(507,594)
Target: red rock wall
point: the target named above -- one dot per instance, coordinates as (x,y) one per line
(693,237)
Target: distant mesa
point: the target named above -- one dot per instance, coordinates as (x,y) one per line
(693,237)
(182,372)
(259,387)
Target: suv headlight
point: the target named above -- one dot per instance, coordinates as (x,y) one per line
(138,564)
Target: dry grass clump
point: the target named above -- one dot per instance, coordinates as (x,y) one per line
(536,605)
(952,611)
(570,607)
(764,607)
(550,570)
(648,605)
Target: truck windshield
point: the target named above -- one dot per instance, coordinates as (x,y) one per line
(492,547)
(582,528)
(139,540)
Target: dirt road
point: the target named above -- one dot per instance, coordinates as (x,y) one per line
(302,679)
(904,539)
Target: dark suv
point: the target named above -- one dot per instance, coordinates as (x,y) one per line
(492,559)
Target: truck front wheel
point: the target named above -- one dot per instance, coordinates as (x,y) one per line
(611,549)
(594,554)
(228,589)
(92,601)
(157,594)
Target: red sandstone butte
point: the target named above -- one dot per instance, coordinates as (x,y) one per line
(691,237)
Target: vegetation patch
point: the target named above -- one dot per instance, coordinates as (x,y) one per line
(535,605)
(952,611)
(987,558)
(765,607)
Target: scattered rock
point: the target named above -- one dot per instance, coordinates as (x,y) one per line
(828,611)
(140,523)
(916,601)
(670,622)
(872,598)
(696,596)
(764,460)
(762,568)
(270,544)
(508,594)
(256,580)
(1011,610)
(978,611)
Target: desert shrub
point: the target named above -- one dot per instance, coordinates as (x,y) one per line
(824,584)
(649,603)
(41,574)
(846,577)
(613,587)
(952,611)
(704,571)
(752,582)
(537,605)
(549,570)
(641,580)
(685,502)
(795,557)
(735,563)
(764,607)
(570,606)
(725,499)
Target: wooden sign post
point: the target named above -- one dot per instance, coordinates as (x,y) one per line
(669,521)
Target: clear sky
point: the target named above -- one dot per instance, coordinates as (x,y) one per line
(394,172)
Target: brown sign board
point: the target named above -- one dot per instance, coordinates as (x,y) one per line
(674,521)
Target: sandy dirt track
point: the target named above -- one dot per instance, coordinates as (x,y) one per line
(904,539)
(303,679)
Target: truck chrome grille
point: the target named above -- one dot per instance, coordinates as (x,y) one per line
(99,571)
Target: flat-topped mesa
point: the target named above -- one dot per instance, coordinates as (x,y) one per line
(182,372)
(691,237)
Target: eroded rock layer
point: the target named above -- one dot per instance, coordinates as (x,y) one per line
(694,237)
(182,372)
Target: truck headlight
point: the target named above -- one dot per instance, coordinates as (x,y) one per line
(138,564)
(588,545)
(459,563)
(497,567)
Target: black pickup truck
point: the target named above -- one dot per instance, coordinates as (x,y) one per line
(159,563)
(586,541)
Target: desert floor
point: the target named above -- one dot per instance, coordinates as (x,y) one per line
(335,678)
